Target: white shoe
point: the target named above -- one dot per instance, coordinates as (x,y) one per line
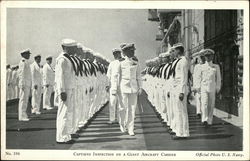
(48,108)
(38,113)
(123,129)
(26,119)
(131,133)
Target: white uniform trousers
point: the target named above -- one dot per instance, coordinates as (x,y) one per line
(127,110)
(207,106)
(46,96)
(65,117)
(198,102)
(36,99)
(173,111)
(181,116)
(56,97)
(16,89)
(88,105)
(76,110)
(10,92)
(113,107)
(164,105)
(156,98)
(83,109)
(168,108)
(23,103)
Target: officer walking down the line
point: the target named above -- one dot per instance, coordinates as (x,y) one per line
(65,86)
(128,81)
(48,83)
(199,61)
(24,74)
(209,83)
(113,108)
(36,78)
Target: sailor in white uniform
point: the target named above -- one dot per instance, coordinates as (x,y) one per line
(180,91)
(113,101)
(48,83)
(65,85)
(24,74)
(36,78)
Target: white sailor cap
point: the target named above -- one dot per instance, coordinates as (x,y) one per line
(49,57)
(79,45)
(37,55)
(122,45)
(116,51)
(178,45)
(208,52)
(129,46)
(69,42)
(25,51)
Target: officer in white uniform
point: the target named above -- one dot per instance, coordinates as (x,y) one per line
(65,79)
(129,84)
(48,83)
(36,78)
(209,83)
(113,101)
(180,91)
(200,60)
(24,74)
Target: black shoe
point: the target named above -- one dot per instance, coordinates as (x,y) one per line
(199,116)
(67,142)
(175,137)
(205,123)
(75,135)
(172,133)
(178,138)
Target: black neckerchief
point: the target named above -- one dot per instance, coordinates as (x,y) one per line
(80,65)
(84,63)
(91,68)
(160,70)
(73,64)
(165,74)
(77,68)
(173,69)
(170,69)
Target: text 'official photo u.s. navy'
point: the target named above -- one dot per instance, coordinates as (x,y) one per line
(124,79)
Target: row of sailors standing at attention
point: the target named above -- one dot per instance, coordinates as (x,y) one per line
(81,83)
(12,90)
(30,80)
(166,82)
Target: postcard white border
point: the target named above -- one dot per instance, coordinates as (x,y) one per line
(69,154)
